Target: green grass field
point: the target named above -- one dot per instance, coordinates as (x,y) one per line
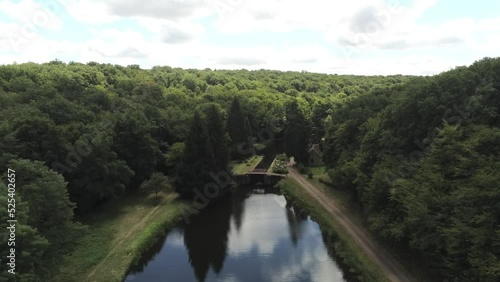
(118,235)
(319,170)
(246,165)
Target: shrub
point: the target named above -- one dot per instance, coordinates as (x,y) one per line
(282,157)
(279,165)
(303,169)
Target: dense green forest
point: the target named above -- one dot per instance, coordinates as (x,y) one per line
(423,161)
(421,155)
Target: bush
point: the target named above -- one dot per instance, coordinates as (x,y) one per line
(282,157)
(280,170)
(325,179)
(303,169)
(279,165)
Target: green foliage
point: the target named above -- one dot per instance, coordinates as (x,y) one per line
(156,183)
(343,244)
(296,134)
(217,137)
(31,247)
(44,213)
(303,169)
(282,157)
(407,148)
(280,164)
(173,157)
(134,143)
(197,161)
(459,188)
(236,128)
(205,151)
(422,160)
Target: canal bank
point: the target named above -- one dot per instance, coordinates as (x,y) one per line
(119,233)
(358,248)
(130,238)
(345,248)
(255,234)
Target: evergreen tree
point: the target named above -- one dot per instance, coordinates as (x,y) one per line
(217,137)
(296,133)
(135,145)
(319,114)
(198,159)
(236,123)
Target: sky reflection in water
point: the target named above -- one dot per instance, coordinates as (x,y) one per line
(246,238)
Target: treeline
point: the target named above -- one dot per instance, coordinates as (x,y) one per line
(423,162)
(79,135)
(421,155)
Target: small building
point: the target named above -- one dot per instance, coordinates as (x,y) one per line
(315,156)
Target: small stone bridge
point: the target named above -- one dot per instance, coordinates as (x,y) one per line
(259,177)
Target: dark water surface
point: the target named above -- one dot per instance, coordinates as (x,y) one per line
(269,154)
(250,236)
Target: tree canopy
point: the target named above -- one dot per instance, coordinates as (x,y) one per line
(420,155)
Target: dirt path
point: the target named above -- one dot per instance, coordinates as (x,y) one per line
(392,270)
(133,230)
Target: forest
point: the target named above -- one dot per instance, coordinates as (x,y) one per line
(420,155)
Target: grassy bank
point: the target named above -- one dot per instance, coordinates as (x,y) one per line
(318,170)
(246,165)
(344,247)
(118,235)
(343,198)
(346,202)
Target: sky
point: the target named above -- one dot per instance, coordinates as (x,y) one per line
(378,37)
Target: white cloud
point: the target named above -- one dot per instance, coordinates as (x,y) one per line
(167,9)
(107,11)
(361,37)
(28,21)
(172,32)
(51,49)
(378,24)
(281,15)
(387,65)
(176,238)
(310,261)
(251,234)
(31,13)
(114,43)
(229,279)
(91,12)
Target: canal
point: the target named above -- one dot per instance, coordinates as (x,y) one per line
(252,235)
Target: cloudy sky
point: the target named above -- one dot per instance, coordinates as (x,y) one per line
(346,37)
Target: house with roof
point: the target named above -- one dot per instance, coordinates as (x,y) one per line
(315,156)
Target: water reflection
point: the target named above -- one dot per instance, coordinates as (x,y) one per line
(251,236)
(295,220)
(206,238)
(238,207)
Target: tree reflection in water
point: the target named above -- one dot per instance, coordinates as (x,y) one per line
(252,235)
(295,218)
(205,238)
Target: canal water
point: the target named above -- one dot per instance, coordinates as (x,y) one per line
(251,236)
